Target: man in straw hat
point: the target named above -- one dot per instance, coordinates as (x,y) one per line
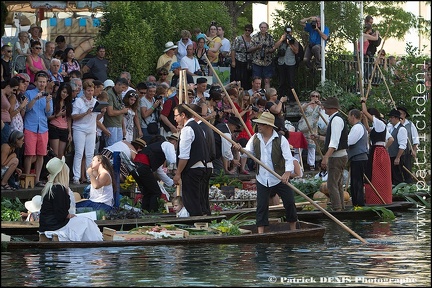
(336,156)
(274,151)
(412,143)
(167,59)
(191,167)
(35,32)
(55,217)
(397,149)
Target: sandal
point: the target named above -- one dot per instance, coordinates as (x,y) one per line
(7,187)
(40,184)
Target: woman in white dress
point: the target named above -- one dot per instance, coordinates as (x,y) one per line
(55,217)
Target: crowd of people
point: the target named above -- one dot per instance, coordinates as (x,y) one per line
(53,102)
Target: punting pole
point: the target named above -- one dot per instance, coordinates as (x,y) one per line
(277,176)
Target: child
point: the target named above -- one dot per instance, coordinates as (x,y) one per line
(33,208)
(101,130)
(179,208)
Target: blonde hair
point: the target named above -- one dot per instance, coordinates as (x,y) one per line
(62,178)
(269,93)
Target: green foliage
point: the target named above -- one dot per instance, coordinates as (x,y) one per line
(307,186)
(412,193)
(384,213)
(11,208)
(4,13)
(231,226)
(134,33)
(342,18)
(225,180)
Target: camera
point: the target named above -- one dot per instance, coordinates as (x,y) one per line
(44,94)
(287,29)
(254,108)
(158,97)
(262,52)
(262,92)
(314,24)
(290,39)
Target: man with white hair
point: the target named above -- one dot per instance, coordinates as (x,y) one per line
(54,69)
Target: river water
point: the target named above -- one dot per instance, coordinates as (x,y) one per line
(398,254)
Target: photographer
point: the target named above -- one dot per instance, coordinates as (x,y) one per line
(313,27)
(262,48)
(288,47)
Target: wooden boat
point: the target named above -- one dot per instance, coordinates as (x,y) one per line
(275,232)
(278,211)
(28,228)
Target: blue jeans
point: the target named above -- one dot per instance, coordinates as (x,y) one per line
(94,205)
(116,135)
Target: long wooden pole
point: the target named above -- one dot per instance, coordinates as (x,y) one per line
(180,96)
(412,175)
(307,122)
(374,189)
(376,62)
(277,175)
(229,98)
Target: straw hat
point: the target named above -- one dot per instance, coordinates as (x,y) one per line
(169,45)
(32,26)
(174,136)
(34,205)
(140,142)
(54,166)
(266,118)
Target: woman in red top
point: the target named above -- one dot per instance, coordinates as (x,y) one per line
(245,103)
(34,63)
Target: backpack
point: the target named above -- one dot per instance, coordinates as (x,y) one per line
(300,55)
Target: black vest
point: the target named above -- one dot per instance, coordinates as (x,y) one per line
(393,149)
(377,136)
(218,139)
(198,150)
(361,146)
(210,139)
(343,140)
(155,153)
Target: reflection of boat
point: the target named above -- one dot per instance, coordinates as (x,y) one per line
(275,232)
(28,228)
(279,211)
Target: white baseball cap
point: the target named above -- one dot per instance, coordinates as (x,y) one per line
(108,83)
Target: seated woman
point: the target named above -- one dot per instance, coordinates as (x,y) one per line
(9,159)
(55,218)
(102,186)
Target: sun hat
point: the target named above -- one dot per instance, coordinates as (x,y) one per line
(108,83)
(175,65)
(331,102)
(174,136)
(140,142)
(23,76)
(34,205)
(54,166)
(394,113)
(32,26)
(266,118)
(404,109)
(169,45)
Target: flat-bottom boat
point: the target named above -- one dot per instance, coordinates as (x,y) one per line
(275,232)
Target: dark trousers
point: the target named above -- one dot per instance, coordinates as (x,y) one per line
(242,74)
(263,196)
(205,201)
(358,168)
(408,163)
(286,81)
(192,183)
(149,188)
(397,170)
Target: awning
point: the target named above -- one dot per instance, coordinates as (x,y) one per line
(54,6)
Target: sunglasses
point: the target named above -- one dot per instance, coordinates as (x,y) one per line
(38,48)
(133,95)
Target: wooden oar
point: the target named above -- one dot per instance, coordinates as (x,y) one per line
(277,175)
(374,189)
(229,98)
(307,122)
(412,175)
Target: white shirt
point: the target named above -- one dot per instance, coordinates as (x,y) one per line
(355,134)
(226,146)
(226,45)
(191,64)
(104,194)
(183,213)
(402,135)
(414,133)
(187,136)
(337,126)
(264,177)
(88,122)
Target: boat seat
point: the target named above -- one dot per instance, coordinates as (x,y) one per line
(43,238)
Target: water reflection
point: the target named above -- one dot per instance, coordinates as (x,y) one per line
(397,251)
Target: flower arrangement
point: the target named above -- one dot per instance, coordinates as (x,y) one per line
(129,183)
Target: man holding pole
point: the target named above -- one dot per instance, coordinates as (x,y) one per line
(273,151)
(191,167)
(336,157)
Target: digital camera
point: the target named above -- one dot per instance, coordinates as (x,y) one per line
(314,24)
(290,39)
(262,52)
